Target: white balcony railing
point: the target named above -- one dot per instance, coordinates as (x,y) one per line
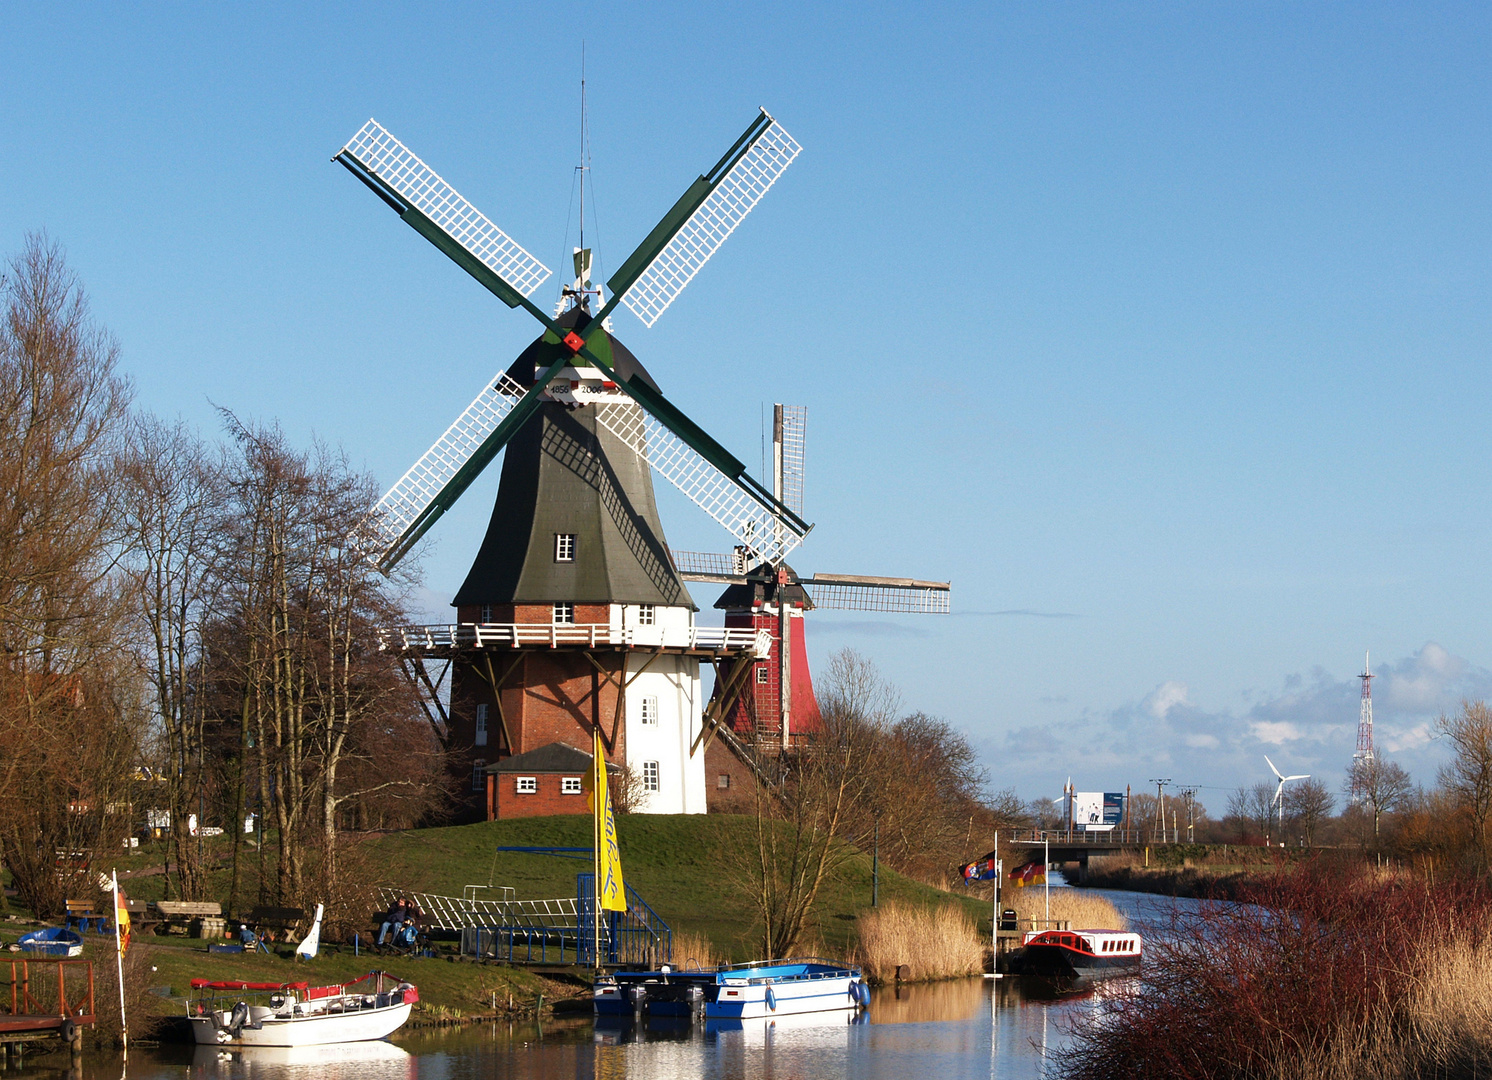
(589,635)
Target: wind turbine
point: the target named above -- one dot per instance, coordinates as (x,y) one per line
(1279,792)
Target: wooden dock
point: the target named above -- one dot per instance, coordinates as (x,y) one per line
(48,999)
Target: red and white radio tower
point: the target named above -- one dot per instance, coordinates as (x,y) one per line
(1365,718)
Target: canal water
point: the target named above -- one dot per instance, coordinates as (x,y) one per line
(949,1031)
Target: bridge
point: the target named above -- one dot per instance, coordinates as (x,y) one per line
(1020,846)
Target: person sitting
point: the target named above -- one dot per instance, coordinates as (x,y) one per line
(250,940)
(397,914)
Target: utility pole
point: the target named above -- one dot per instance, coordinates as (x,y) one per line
(1190,795)
(1160,808)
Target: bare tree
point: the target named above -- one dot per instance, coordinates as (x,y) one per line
(1379,785)
(1468,775)
(802,820)
(1252,808)
(1307,804)
(173,510)
(64,739)
(322,714)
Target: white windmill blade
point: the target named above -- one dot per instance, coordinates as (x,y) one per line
(794,429)
(408,504)
(398,172)
(750,167)
(1302,776)
(753,524)
(1273,769)
(710,567)
(854,592)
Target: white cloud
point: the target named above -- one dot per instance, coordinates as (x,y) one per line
(1275,732)
(1202,742)
(1396,741)
(1166,697)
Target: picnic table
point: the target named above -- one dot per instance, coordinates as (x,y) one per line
(81,912)
(182,913)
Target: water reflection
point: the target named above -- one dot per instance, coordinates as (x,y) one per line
(951,1031)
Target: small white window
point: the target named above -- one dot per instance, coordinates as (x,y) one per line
(761,674)
(528,785)
(564,547)
(650,776)
(486,613)
(570,785)
(724,781)
(564,614)
(647,615)
(481,739)
(650,710)
(479,775)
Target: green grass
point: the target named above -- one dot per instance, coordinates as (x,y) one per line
(679,864)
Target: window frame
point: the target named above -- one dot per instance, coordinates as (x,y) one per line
(763,673)
(480,733)
(484,614)
(652,776)
(645,715)
(647,614)
(571,785)
(479,775)
(722,782)
(525,785)
(563,613)
(564,547)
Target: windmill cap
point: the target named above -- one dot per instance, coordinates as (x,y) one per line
(623,362)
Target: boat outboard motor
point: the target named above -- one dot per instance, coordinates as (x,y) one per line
(695,995)
(638,995)
(239,1018)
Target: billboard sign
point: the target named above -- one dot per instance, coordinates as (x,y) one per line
(1097,811)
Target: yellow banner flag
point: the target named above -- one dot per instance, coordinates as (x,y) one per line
(610,891)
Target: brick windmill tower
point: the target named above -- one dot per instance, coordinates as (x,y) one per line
(573,617)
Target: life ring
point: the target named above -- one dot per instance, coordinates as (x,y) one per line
(771,1000)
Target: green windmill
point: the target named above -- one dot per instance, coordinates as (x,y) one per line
(647,283)
(574,616)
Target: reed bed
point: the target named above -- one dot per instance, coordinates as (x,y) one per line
(1082,909)
(695,951)
(1329,972)
(933,942)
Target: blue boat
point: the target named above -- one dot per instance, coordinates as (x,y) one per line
(740,992)
(52,941)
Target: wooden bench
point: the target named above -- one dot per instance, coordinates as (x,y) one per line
(82,913)
(181,913)
(284,920)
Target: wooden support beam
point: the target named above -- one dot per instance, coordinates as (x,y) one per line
(413,668)
(714,715)
(497,695)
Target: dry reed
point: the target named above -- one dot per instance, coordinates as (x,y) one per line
(1081,909)
(933,942)
(695,951)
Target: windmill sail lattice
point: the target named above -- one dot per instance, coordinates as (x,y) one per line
(752,175)
(855,593)
(707,487)
(416,184)
(794,429)
(408,501)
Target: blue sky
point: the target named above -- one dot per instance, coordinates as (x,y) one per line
(1159,330)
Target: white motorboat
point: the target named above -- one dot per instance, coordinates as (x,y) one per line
(298,1014)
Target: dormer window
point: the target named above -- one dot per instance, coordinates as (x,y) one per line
(564,547)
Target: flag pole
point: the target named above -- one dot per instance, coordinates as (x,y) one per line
(124,1036)
(1046,880)
(596,793)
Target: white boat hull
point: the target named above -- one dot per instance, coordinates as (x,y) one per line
(317,1029)
(742,1000)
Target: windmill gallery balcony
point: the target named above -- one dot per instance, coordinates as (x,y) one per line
(703,641)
